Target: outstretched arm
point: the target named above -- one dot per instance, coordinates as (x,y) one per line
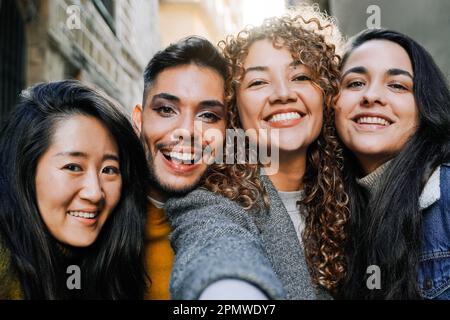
(215,239)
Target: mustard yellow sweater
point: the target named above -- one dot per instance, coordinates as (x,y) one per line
(10,287)
(158,254)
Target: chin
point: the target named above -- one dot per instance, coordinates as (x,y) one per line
(291,147)
(372,149)
(81,242)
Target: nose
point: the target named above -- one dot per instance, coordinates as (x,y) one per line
(282,92)
(189,129)
(92,189)
(373,95)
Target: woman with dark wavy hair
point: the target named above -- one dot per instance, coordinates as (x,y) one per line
(72,197)
(393,115)
(283,76)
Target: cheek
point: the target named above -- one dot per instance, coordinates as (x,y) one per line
(339,120)
(410,114)
(53,190)
(151,135)
(214,134)
(113,190)
(249,109)
(341,114)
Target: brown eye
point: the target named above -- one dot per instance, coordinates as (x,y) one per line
(110,170)
(256,83)
(355,84)
(73,167)
(164,111)
(209,117)
(302,77)
(398,87)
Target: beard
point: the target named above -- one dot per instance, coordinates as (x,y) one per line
(157,183)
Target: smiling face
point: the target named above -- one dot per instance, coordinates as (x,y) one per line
(277,93)
(78,181)
(184,101)
(376,112)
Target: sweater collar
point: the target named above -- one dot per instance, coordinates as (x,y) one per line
(371,181)
(430,193)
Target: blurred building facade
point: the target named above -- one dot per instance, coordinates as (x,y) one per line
(427,22)
(106,43)
(212,19)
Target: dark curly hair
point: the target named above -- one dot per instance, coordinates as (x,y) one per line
(313,39)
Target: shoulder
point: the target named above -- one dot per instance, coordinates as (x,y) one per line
(445,183)
(5,259)
(10,285)
(198,197)
(433,189)
(204,203)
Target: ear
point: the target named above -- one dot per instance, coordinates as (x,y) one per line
(137,118)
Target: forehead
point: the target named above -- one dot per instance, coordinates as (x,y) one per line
(190,82)
(76,132)
(262,52)
(379,55)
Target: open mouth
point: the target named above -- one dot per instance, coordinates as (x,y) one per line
(284,118)
(187,158)
(372,121)
(84,214)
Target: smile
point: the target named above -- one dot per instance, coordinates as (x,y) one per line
(181,162)
(284,119)
(83,214)
(373,120)
(187,158)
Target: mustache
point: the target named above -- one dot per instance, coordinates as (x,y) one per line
(170,145)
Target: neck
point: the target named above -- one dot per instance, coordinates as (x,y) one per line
(370,163)
(291,171)
(158,195)
(372,180)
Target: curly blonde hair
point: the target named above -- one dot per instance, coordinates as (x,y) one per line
(314,40)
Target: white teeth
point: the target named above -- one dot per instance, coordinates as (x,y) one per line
(373,120)
(81,214)
(285,116)
(182,156)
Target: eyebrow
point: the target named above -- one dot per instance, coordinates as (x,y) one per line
(390,72)
(397,72)
(166,96)
(256,68)
(360,70)
(265,68)
(211,104)
(204,103)
(79,154)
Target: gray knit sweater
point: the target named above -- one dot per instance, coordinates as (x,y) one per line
(214,238)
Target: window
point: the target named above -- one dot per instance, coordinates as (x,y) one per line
(107,10)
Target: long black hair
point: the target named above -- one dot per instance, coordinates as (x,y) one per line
(112,267)
(386,230)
